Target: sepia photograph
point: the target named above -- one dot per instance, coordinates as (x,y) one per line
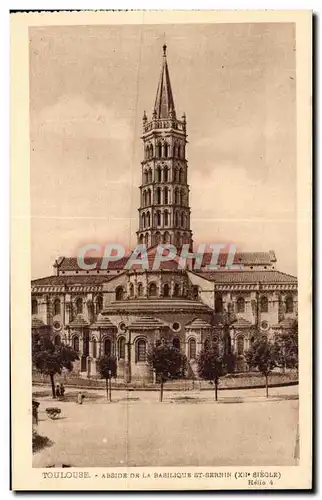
(164,310)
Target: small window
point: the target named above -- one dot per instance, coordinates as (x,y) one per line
(57,340)
(240,346)
(34,307)
(140,290)
(57,307)
(141,350)
(192,351)
(76,343)
(94,348)
(131,290)
(119,293)
(264,304)
(176,343)
(152,290)
(289,305)
(166,290)
(79,306)
(240,305)
(107,347)
(176,290)
(121,348)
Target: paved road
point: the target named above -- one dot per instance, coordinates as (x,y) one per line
(136,430)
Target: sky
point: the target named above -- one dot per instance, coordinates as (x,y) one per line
(89,87)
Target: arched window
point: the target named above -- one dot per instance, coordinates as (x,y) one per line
(219,304)
(119,293)
(158,218)
(179,151)
(264,304)
(176,290)
(57,340)
(158,196)
(34,306)
(141,350)
(57,307)
(79,306)
(195,291)
(94,348)
(177,218)
(158,172)
(147,220)
(140,290)
(143,221)
(145,177)
(99,304)
(166,195)
(240,345)
(182,219)
(165,174)
(76,343)
(152,290)
(180,175)
(166,237)
(149,197)
(166,217)
(176,197)
(166,149)
(131,290)
(151,151)
(176,343)
(141,239)
(149,175)
(175,150)
(157,237)
(146,239)
(144,198)
(240,305)
(289,304)
(107,347)
(159,150)
(166,290)
(192,349)
(121,348)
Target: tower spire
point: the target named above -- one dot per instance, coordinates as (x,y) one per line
(164,103)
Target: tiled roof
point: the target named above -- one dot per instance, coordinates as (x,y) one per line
(85,279)
(103,321)
(198,324)
(71,264)
(78,322)
(246,258)
(37,323)
(285,324)
(158,304)
(241,323)
(146,323)
(248,277)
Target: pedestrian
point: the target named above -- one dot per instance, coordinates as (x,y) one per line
(62,389)
(57,391)
(80,398)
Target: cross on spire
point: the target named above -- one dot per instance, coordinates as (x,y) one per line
(164,103)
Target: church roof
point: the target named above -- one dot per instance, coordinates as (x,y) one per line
(198,324)
(241,323)
(78,322)
(164,103)
(103,321)
(243,258)
(285,324)
(37,323)
(146,323)
(71,263)
(150,305)
(251,277)
(77,279)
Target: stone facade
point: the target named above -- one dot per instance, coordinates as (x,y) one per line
(122,312)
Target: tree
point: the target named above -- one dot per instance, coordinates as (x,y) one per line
(107,367)
(50,359)
(263,355)
(211,365)
(288,354)
(168,363)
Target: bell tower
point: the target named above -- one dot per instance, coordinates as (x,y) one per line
(164,213)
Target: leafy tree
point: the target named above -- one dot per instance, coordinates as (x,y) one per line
(211,365)
(168,363)
(107,367)
(50,359)
(263,355)
(288,354)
